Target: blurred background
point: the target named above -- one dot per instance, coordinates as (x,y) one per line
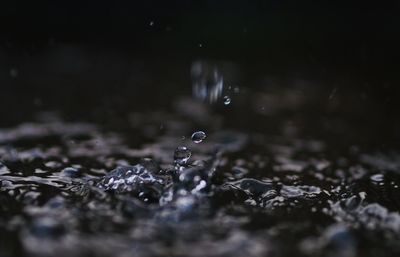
(101,59)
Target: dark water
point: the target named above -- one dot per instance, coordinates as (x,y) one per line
(293,167)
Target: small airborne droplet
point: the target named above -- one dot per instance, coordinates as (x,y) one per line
(377,178)
(198,137)
(13,73)
(227,100)
(207,81)
(181,155)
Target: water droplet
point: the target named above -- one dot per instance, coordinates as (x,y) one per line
(13,73)
(207,81)
(377,178)
(227,100)
(181,155)
(198,137)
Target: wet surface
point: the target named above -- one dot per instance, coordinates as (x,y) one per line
(285,169)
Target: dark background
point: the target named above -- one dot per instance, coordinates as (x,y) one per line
(331,30)
(79,55)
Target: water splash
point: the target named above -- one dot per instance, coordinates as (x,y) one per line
(356,212)
(250,197)
(182,155)
(133,179)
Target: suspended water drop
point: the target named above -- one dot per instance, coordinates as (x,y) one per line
(181,155)
(227,100)
(377,178)
(13,73)
(207,81)
(198,137)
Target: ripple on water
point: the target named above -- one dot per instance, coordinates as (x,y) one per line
(355,211)
(67,197)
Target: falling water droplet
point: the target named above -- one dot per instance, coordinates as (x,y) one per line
(207,81)
(227,100)
(181,155)
(377,178)
(198,137)
(13,73)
